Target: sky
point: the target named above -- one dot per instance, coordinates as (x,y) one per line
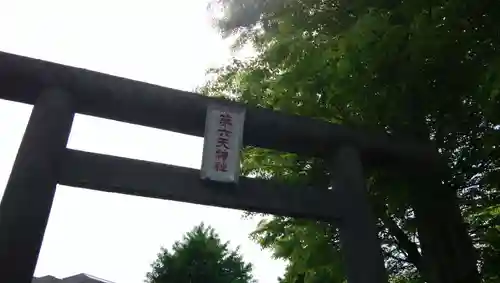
(168,43)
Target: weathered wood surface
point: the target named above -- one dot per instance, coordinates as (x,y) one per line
(106,96)
(149,179)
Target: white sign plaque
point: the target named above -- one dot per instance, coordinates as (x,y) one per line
(223,142)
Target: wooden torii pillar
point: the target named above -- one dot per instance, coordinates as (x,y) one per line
(58,92)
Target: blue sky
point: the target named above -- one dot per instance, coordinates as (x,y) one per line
(169,43)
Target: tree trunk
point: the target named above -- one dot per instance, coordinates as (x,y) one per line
(447,250)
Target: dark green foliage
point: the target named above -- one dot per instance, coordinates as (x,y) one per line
(425,70)
(200,257)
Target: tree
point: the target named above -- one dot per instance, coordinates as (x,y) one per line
(200,257)
(425,70)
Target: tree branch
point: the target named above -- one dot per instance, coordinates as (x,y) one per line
(402,239)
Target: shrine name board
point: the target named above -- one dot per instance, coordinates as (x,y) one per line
(223,142)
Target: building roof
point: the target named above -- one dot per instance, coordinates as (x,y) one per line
(79,278)
(46,279)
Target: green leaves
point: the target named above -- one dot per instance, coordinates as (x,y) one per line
(424,70)
(200,257)
(312,248)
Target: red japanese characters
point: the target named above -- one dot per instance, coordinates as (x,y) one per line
(223,147)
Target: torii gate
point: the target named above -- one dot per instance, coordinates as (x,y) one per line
(58,92)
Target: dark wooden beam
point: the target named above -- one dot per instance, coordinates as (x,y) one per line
(26,204)
(106,96)
(148,179)
(358,232)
